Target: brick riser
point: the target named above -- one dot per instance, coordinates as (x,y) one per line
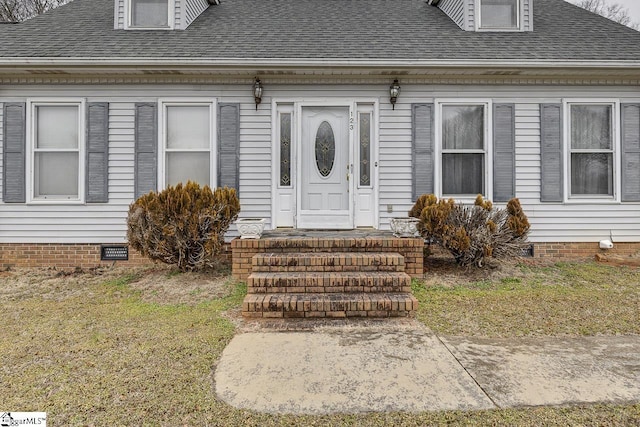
(317,282)
(322,284)
(329,305)
(327,261)
(244,250)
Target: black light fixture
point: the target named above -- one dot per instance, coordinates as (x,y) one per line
(394,91)
(257,92)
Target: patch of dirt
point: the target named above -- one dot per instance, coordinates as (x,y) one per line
(619,261)
(169,286)
(440,269)
(158,284)
(52,283)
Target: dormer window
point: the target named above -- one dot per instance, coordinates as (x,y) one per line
(499,14)
(149,14)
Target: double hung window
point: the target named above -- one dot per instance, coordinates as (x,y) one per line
(57,147)
(149,13)
(187,142)
(591,150)
(499,14)
(463,161)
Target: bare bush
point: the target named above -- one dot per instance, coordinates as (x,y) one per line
(613,11)
(473,234)
(182,225)
(19,10)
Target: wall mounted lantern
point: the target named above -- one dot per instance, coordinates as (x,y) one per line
(394,92)
(257,92)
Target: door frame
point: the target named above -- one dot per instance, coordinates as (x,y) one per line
(296,105)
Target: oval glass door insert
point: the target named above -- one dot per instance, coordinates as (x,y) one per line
(325,149)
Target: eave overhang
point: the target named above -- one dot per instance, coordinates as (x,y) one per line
(373,69)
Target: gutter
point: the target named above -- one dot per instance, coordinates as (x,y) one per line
(180,63)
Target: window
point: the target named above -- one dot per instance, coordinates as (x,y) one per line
(285,149)
(463,157)
(57,147)
(365,149)
(187,142)
(591,151)
(499,14)
(149,13)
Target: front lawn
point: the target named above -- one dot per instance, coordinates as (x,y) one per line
(584,298)
(138,347)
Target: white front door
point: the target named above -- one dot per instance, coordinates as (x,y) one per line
(324,193)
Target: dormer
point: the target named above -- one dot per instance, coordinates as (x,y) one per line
(158,14)
(489,15)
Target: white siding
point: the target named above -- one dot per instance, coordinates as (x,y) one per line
(465,14)
(471,15)
(551,222)
(119,14)
(177,14)
(255,157)
(455,10)
(395,156)
(185,11)
(191,9)
(527,15)
(121,152)
(557,221)
(1,145)
(106,222)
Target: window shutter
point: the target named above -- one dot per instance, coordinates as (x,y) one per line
(14,150)
(422,149)
(631,152)
(146,148)
(229,146)
(97,179)
(551,146)
(504,156)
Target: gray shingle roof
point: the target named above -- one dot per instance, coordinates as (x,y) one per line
(321,29)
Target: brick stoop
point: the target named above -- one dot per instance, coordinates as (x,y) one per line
(325,284)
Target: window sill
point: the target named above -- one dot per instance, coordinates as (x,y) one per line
(149,28)
(592,201)
(55,202)
(464,200)
(500,30)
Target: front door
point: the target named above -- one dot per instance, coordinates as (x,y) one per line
(324,194)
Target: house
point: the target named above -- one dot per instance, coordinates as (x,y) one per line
(323,114)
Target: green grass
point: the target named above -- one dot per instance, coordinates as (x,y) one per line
(100,355)
(563,299)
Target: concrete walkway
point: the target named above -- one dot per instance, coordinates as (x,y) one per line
(405,367)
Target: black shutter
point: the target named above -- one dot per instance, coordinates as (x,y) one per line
(551,147)
(14,150)
(422,149)
(631,152)
(97,185)
(146,148)
(504,156)
(229,146)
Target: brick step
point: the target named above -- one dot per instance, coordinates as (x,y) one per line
(329,305)
(327,261)
(376,242)
(321,282)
